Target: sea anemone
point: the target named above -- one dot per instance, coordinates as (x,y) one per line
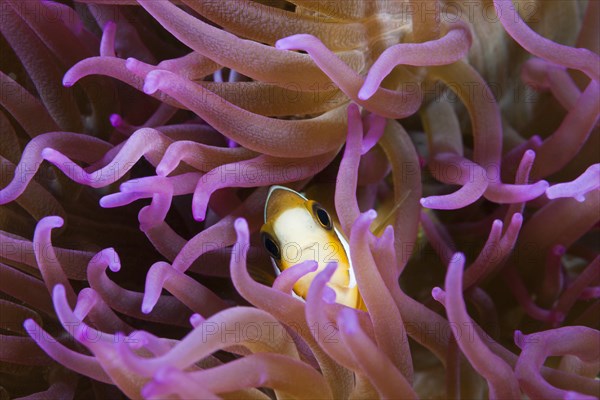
(455,142)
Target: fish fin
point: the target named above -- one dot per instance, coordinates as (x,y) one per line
(390,216)
(261,276)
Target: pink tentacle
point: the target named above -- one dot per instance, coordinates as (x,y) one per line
(196,296)
(574,58)
(575,340)
(560,147)
(385,102)
(107,44)
(146,142)
(382,373)
(45,256)
(87,148)
(81,363)
(498,374)
(584,183)
(346,205)
(471,176)
(263,170)
(450,48)
(288,278)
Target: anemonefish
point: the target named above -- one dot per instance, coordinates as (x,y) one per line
(297,229)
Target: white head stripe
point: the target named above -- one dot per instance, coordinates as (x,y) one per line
(346,247)
(274,188)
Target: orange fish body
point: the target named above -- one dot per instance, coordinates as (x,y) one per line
(297,229)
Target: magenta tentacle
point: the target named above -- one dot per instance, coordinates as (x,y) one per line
(248,129)
(285,308)
(220,234)
(128,40)
(448,49)
(100,314)
(45,256)
(121,125)
(486,254)
(385,102)
(60,103)
(498,374)
(542,75)
(372,288)
(495,251)
(374,362)
(196,296)
(83,364)
(503,193)
(288,278)
(32,195)
(471,176)
(146,142)
(553,275)
(516,155)
(269,370)
(170,380)
(107,43)
(212,43)
(154,344)
(113,67)
(27,106)
(346,205)
(146,186)
(522,295)
(560,147)
(576,340)
(89,149)
(574,58)
(263,170)
(13,280)
(129,302)
(521,178)
(154,215)
(439,239)
(484,113)
(374,134)
(586,182)
(161,116)
(200,156)
(57,36)
(184,114)
(71,20)
(318,297)
(199,344)
(72,261)
(572,293)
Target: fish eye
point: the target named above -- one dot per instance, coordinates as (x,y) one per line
(322,216)
(270,245)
